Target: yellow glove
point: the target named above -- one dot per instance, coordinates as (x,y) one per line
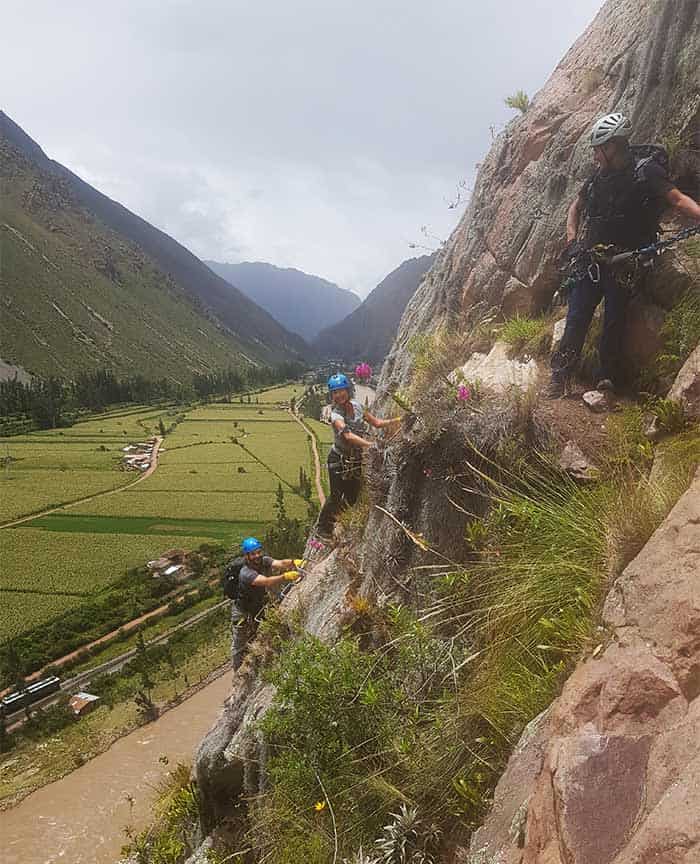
(300,563)
(290,575)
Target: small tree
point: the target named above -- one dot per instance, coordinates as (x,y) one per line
(161,428)
(6,741)
(145,705)
(13,669)
(519,101)
(286,537)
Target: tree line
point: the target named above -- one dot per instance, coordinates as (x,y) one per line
(53,402)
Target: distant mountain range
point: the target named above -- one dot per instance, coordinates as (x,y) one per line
(368,331)
(86,283)
(302,303)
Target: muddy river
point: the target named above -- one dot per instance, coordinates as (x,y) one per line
(80,819)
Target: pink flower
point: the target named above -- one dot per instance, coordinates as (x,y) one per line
(363,371)
(463,393)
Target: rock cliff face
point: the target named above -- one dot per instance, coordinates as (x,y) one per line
(230,759)
(611,772)
(635,57)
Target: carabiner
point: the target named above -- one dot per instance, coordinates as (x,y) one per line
(594,272)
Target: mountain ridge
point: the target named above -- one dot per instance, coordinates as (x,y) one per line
(302,302)
(368,331)
(51,213)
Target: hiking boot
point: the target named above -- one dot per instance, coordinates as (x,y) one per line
(605,385)
(557,387)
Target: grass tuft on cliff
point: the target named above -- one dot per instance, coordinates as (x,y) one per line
(427,715)
(526,336)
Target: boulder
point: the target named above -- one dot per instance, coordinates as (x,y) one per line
(595,400)
(496,371)
(686,387)
(614,776)
(573,461)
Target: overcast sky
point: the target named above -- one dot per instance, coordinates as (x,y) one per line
(318,134)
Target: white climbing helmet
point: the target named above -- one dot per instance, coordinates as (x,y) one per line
(610,126)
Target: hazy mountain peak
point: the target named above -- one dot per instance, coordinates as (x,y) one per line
(301,302)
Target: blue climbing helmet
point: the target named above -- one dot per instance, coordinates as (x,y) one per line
(339,382)
(250,544)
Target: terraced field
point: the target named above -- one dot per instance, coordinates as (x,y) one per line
(216,482)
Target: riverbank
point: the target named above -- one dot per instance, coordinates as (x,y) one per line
(81,817)
(35,763)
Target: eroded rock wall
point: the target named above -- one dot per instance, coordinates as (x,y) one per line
(611,773)
(637,56)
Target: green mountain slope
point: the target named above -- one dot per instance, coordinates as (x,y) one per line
(368,331)
(86,283)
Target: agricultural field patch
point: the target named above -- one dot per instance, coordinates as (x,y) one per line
(283,451)
(30,456)
(226,532)
(239,413)
(21,612)
(211,478)
(29,491)
(219,506)
(280,394)
(80,563)
(202,454)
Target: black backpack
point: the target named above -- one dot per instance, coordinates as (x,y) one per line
(229,580)
(644,154)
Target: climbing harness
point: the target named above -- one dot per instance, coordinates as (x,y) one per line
(587,262)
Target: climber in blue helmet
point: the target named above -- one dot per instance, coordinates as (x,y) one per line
(349,421)
(255,575)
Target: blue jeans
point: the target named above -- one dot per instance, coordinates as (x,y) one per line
(585,296)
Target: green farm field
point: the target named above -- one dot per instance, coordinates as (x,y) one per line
(216,480)
(47,469)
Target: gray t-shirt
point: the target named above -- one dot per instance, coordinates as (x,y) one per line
(252,598)
(354,424)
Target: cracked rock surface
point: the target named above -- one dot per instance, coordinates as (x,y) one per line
(611,773)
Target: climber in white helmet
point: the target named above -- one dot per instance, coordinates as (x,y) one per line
(619,206)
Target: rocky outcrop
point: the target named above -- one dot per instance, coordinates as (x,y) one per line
(611,774)
(497,372)
(686,387)
(634,57)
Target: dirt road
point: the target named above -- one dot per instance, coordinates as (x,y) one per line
(317,462)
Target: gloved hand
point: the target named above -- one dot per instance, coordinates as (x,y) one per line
(291,575)
(572,250)
(300,563)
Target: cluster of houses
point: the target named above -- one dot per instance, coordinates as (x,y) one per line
(171,563)
(137,457)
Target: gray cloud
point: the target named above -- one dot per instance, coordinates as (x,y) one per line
(310,134)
